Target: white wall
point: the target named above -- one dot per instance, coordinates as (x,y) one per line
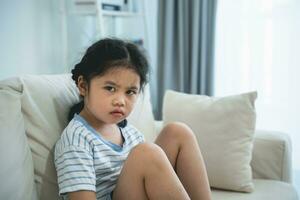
(30,37)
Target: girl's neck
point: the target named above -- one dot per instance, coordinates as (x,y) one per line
(96,124)
(110,132)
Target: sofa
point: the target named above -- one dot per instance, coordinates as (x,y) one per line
(34,112)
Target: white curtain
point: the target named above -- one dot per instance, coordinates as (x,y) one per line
(257,48)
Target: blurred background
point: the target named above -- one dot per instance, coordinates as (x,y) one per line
(212,47)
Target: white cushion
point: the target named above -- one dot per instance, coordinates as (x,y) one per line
(142,117)
(264,189)
(16,168)
(224,128)
(45,102)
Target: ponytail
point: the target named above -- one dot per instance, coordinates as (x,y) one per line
(75,109)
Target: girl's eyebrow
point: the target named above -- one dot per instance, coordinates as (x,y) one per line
(114,84)
(133,88)
(111,83)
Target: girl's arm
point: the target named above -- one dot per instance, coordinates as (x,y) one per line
(83,194)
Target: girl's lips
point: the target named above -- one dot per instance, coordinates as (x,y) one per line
(117,113)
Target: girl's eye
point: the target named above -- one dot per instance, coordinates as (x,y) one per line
(131,92)
(110,88)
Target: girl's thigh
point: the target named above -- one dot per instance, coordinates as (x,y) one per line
(130,183)
(148,174)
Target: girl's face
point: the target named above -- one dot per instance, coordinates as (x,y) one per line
(110,97)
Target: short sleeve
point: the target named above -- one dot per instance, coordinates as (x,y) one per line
(75,170)
(134,136)
(141,138)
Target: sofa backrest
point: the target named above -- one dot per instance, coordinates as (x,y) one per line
(37,106)
(16,168)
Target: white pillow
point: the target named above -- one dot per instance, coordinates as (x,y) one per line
(224,128)
(142,116)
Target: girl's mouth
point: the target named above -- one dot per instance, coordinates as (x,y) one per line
(117,113)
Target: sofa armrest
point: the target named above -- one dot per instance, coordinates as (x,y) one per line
(271,156)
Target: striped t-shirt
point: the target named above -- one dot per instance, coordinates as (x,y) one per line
(86,161)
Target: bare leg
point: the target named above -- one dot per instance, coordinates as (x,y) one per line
(148,174)
(180,144)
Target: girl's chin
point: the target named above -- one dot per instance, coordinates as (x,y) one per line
(115,121)
(115,118)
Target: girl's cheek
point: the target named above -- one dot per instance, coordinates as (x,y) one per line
(134,100)
(131,104)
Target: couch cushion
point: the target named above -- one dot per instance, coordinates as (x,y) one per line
(142,117)
(271,157)
(224,128)
(16,169)
(264,189)
(45,103)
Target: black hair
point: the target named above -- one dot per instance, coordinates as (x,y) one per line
(104,55)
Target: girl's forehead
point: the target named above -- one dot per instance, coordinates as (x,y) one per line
(118,70)
(124,76)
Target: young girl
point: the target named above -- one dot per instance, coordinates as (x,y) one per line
(100,156)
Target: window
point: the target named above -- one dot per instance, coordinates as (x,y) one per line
(257,48)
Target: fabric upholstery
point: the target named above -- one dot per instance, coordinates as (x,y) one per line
(16,168)
(142,117)
(224,128)
(46,101)
(272,156)
(264,189)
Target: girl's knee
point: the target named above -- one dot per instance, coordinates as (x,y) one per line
(178,130)
(153,158)
(148,152)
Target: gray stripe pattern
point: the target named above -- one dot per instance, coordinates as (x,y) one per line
(86,161)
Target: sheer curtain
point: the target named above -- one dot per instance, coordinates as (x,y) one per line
(257,48)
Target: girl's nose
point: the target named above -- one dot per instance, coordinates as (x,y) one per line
(118,101)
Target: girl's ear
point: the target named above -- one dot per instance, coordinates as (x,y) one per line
(82,86)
